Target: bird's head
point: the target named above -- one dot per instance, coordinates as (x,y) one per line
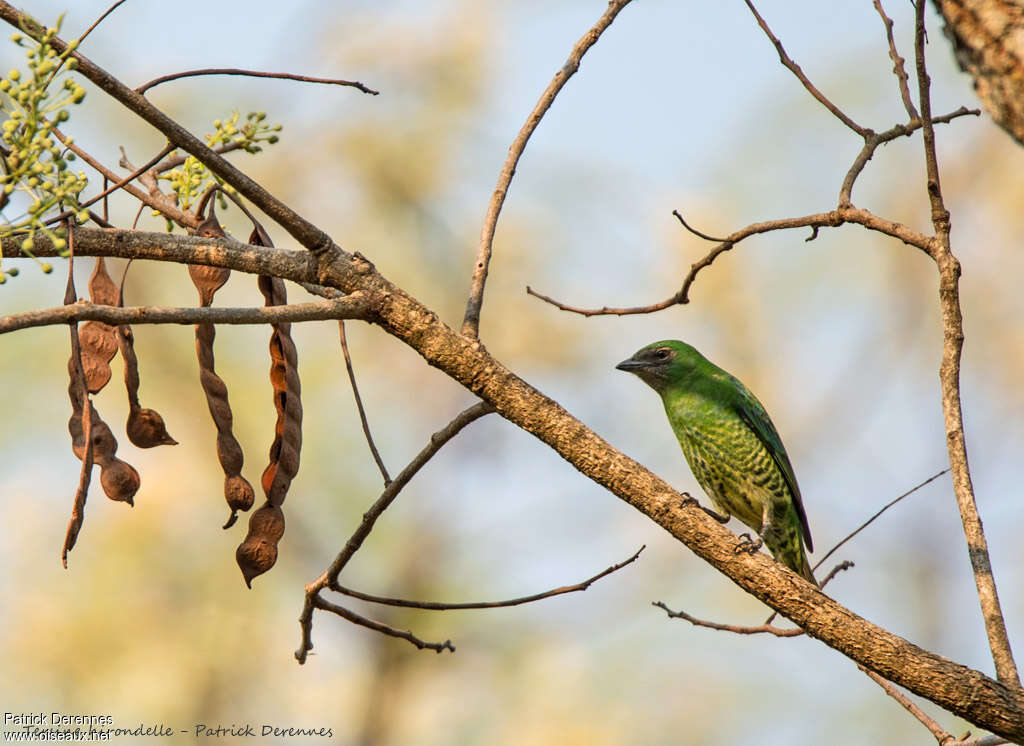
(660,364)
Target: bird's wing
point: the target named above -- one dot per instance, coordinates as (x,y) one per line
(757,419)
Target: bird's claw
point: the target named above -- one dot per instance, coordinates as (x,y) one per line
(689,500)
(748,544)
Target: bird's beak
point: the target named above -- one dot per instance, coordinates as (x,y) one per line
(630,365)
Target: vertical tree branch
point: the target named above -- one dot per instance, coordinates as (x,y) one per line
(949,376)
(471,321)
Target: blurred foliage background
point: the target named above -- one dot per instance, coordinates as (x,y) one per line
(675,108)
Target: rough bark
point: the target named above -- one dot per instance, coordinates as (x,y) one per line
(988,41)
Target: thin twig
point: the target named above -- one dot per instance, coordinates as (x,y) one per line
(253,74)
(831,219)
(944,738)
(795,69)
(109,190)
(176,160)
(949,376)
(359,405)
(352,306)
(471,321)
(329,577)
(841,567)
(606,310)
(99,20)
(898,68)
(694,231)
(739,630)
(441,606)
(881,510)
(386,629)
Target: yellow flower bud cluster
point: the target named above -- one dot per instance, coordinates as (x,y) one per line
(35,175)
(192,179)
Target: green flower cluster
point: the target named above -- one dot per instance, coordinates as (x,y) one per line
(34,165)
(192,179)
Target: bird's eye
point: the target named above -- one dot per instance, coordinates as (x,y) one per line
(662,353)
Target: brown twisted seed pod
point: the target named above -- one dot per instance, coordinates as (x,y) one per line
(81,431)
(238,492)
(99,344)
(98,341)
(208,280)
(102,289)
(145,427)
(120,480)
(284,377)
(258,552)
(104,444)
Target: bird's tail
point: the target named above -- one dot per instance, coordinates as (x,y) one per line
(787,546)
(805,568)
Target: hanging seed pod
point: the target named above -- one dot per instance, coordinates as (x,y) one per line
(98,340)
(99,344)
(145,427)
(120,481)
(238,492)
(258,552)
(208,280)
(81,432)
(284,377)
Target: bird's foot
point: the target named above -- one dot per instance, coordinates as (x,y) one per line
(688,500)
(748,544)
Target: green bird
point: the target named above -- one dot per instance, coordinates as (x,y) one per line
(732,447)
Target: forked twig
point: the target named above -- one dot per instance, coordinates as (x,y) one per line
(385,629)
(329,578)
(845,213)
(471,321)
